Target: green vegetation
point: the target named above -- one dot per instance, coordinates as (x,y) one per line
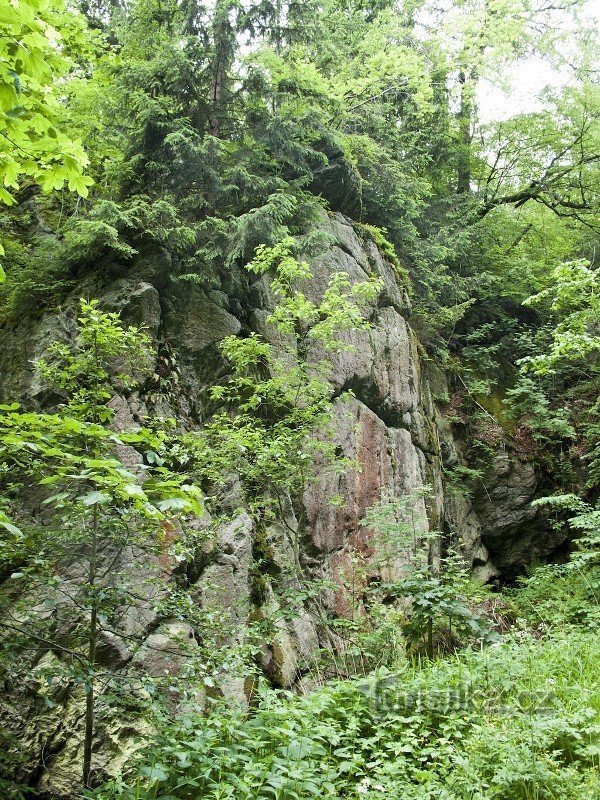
(101,511)
(202,148)
(267,433)
(514,722)
(433,583)
(37,39)
(113,529)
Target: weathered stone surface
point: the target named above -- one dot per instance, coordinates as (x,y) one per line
(304,634)
(165,651)
(193,325)
(138,303)
(293,643)
(359,257)
(460,521)
(22,344)
(342,235)
(279,659)
(41,716)
(112,650)
(382,368)
(225,583)
(356,244)
(224,592)
(394,292)
(153,265)
(512,529)
(388,465)
(194,322)
(509,486)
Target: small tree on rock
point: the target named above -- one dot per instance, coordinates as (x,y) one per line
(102,514)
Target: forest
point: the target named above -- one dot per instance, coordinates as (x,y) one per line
(299,400)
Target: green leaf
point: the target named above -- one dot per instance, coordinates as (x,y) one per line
(172,504)
(8,526)
(158,772)
(95,498)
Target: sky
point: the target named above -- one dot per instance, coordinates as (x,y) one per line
(529,79)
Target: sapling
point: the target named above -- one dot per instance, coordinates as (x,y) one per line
(418,570)
(101,516)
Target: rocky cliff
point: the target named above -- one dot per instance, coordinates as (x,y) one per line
(396,427)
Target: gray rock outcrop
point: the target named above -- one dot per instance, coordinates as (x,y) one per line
(390,427)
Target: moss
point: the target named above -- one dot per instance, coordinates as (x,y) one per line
(493,403)
(385,247)
(261,568)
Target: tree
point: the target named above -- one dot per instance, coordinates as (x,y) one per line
(224,31)
(100,511)
(482,40)
(34,40)
(549,157)
(558,386)
(32,63)
(418,571)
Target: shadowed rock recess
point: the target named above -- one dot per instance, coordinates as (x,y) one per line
(394,426)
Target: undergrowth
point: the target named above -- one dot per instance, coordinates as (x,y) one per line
(518,720)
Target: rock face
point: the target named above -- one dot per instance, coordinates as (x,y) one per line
(338,181)
(391,428)
(510,526)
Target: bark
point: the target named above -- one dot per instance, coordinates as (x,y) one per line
(467,82)
(92,640)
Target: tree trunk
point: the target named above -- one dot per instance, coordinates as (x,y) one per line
(224,42)
(93,635)
(467,83)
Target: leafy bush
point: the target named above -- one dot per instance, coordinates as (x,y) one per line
(563,594)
